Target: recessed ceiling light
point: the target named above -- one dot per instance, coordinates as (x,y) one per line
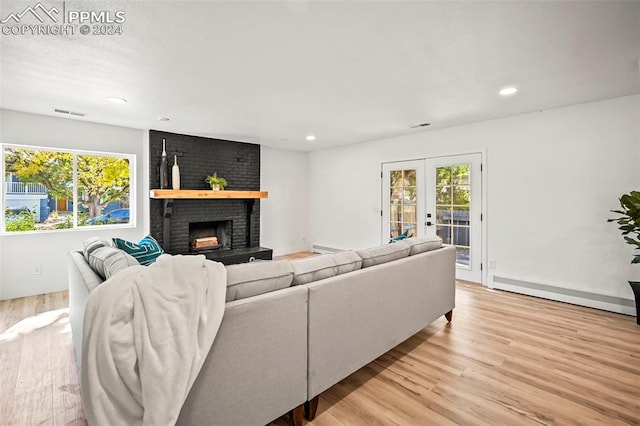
(120,101)
(311,138)
(163,119)
(507,91)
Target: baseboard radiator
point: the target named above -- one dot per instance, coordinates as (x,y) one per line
(564,294)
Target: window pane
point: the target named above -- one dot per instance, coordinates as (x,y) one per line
(394,213)
(410,229)
(409,213)
(409,178)
(395,178)
(443,195)
(461,236)
(443,215)
(444,232)
(461,215)
(410,194)
(461,173)
(395,229)
(396,195)
(443,176)
(35,181)
(103,190)
(462,256)
(461,195)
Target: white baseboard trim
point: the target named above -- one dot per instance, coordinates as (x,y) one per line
(563,294)
(325,249)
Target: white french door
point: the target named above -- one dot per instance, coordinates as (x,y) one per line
(454,209)
(402,200)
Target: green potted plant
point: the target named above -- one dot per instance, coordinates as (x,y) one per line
(629,226)
(216,182)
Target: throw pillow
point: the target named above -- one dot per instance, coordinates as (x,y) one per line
(93,243)
(146,251)
(422,244)
(313,268)
(108,261)
(347,261)
(250,279)
(383,254)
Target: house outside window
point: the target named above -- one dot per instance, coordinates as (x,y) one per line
(51,189)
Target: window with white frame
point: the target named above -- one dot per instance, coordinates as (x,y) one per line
(49,189)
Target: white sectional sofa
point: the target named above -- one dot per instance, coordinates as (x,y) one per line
(293,329)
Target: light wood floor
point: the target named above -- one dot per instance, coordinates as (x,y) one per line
(506,359)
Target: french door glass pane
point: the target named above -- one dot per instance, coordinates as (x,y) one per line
(409,213)
(453,195)
(444,232)
(462,256)
(461,195)
(394,213)
(409,177)
(461,236)
(443,195)
(395,229)
(409,194)
(443,215)
(396,195)
(460,174)
(396,179)
(402,203)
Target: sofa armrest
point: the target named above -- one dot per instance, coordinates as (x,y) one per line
(256,370)
(81,276)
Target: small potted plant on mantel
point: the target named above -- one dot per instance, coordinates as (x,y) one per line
(216,182)
(629,226)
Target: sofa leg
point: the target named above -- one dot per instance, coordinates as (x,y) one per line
(449,315)
(296,415)
(311,408)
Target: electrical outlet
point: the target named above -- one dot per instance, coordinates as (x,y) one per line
(37,270)
(492,264)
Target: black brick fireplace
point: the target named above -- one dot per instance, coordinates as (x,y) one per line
(179,221)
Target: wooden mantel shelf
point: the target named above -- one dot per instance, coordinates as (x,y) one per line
(205,194)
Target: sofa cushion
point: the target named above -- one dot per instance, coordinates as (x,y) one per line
(347,261)
(422,244)
(253,278)
(383,254)
(108,261)
(146,251)
(313,268)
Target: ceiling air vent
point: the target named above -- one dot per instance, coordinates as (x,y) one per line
(77,114)
(415,126)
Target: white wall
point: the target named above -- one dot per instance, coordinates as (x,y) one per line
(19,253)
(552,178)
(284,224)
(284,215)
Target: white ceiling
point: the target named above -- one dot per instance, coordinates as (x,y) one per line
(273,72)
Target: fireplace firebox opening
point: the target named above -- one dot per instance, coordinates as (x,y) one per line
(213,235)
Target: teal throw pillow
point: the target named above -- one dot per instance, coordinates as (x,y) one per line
(145,252)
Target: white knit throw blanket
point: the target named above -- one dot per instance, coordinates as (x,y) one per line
(147,332)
